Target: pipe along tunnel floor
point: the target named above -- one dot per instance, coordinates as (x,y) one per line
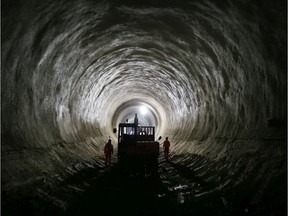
(174,190)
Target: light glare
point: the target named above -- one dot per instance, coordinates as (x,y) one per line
(143,110)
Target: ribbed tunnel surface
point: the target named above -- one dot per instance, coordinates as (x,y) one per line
(211,74)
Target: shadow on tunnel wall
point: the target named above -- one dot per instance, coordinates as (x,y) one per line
(25,161)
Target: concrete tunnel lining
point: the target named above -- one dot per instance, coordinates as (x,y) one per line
(212,74)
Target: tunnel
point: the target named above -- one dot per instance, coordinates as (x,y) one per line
(210,75)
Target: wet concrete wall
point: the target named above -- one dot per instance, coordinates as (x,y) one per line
(212,75)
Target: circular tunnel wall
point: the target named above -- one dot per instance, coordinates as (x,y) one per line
(209,72)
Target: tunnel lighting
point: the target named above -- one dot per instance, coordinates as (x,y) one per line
(143,110)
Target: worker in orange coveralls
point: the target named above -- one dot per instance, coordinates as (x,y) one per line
(108,151)
(166,146)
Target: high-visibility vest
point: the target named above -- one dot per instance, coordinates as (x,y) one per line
(108,148)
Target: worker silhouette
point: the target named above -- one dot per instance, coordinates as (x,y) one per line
(108,151)
(166,146)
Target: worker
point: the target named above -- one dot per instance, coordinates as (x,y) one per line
(166,146)
(108,151)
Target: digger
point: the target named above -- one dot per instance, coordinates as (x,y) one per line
(137,148)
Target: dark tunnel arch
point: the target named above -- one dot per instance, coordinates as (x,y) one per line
(213,75)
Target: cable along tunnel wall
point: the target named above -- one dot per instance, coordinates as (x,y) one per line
(212,75)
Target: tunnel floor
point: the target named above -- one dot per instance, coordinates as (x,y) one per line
(174,190)
(126,193)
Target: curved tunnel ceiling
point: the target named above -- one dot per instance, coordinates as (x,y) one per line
(75,69)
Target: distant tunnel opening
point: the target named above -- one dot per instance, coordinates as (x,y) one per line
(212,75)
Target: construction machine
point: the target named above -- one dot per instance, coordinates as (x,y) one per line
(137,148)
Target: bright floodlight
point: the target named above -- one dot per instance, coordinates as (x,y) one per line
(143,110)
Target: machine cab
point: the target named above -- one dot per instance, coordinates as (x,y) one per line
(136,142)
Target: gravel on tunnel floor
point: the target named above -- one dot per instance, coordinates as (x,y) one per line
(174,190)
